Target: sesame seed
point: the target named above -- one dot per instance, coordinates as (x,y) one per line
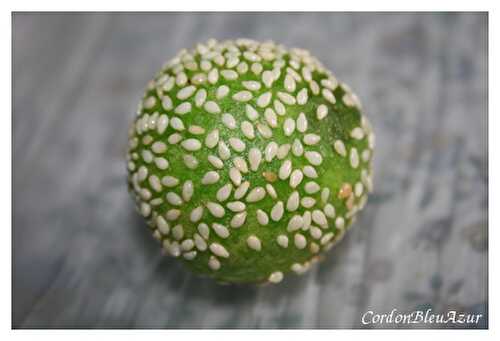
(241,164)
(310,172)
(319,218)
(190,255)
(212,138)
(242,96)
(178,232)
(254,158)
(219,250)
(215,161)
(264,99)
(358,189)
(282,241)
(279,107)
(232,62)
(154,182)
(183,108)
(173,248)
(170,181)
(215,209)
(340,222)
(275,277)
(271,191)
(286,98)
(289,83)
(220,230)
(162,124)
(210,177)
(311,139)
(302,97)
(311,187)
(264,130)
(229,74)
(262,217)
(308,202)
(241,190)
(222,91)
(242,68)
(174,138)
(147,156)
(306,73)
(326,238)
(297,268)
(365,155)
(235,176)
(181,79)
(325,194)
(169,84)
(330,83)
(212,107)
(213,76)
(145,209)
(251,85)
(300,241)
(256,194)
(295,223)
(196,214)
(236,206)
(149,102)
(142,173)
(237,144)
(247,130)
(224,152)
(229,121)
(301,122)
(296,178)
(285,170)
(177,124)
(315,232)
(314,87)
(186,92)
(314,158)
(292,203)
(321,112)
(328,95)
(289,126)
(199,242)
(329,210)
(173,199)
(238,220)
(277,211)
(213,263)
(190,161)
(371,141)
(162,225)
(200,97)
(251,113)
(357,133)
(191,144)
(354,158)
(196,130)
(271,117)
(306,218)
(254,243)
(283,151)
(340,148)
(267,78)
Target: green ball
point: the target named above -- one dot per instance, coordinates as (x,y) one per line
(248,160)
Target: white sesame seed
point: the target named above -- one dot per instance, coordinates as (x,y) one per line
(145,209)
(311,139)
(306,218)
(215,161)
(173,199)
(196,130)
(311,187)
(292,203)
(371,141)
(271,117)
(357,133)
(301,122)
(219,250)
(254,157)
(251,85)
(302,97)
(162,225)
(289,83)
(275,277)
(300,241)
(256,194)
(147,156)
(159,147)
(222,91)
(365,155)
(237,144)
(296,178)
(235,176)
(264,99)
(212,138)
(314,158)
(314,87)
(183,108)
(170,181)
(325,194)
(330,83)
(329,210)
(251,113)
(285,170)
(241,190)
(210,177)
(173,248)
(211,107)
(315,232)
(162,124)
(254,243)
(213,263)
(262,217)
(286,98)
(282,240)
(181,79)
(279,108)
(191,144)
(340,222)
(200,97)
(236,206)
(177,124)
(203,230)
(196,214)
(154,182)
(149,102)
(142,173)
(229,121)
(173,214)
(270,151)
(298,268)
(267,78)
(277,211)
(229,74)
(306,73)
(321,112)
(186,92)
(199,242)
(241,164)
(328,95)
(354,158)
(169,84)
(238,220)
(232,62)
(310,172)
(224,152)
(271,191)
(308,202)
(220,230)
(283,151)
(213,76)
(340,148)
(295,223)
(166,103)
(319,218)
(264,130)
(174,138)
(289,126)
(190,161)
(215,209)
(358,189)
(242,96)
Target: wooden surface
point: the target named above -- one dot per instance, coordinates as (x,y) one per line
(82,256)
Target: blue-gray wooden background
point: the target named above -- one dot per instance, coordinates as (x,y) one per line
(82,256)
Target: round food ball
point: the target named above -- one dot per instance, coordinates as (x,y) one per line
(248,160)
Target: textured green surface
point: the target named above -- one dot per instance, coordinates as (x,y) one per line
(244,263)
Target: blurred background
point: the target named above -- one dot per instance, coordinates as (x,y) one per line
(82,257)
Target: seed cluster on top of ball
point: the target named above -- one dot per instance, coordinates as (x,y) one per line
(248,160)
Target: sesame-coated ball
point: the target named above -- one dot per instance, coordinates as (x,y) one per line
(248,160)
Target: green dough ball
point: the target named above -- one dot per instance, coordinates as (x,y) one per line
(248,160)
